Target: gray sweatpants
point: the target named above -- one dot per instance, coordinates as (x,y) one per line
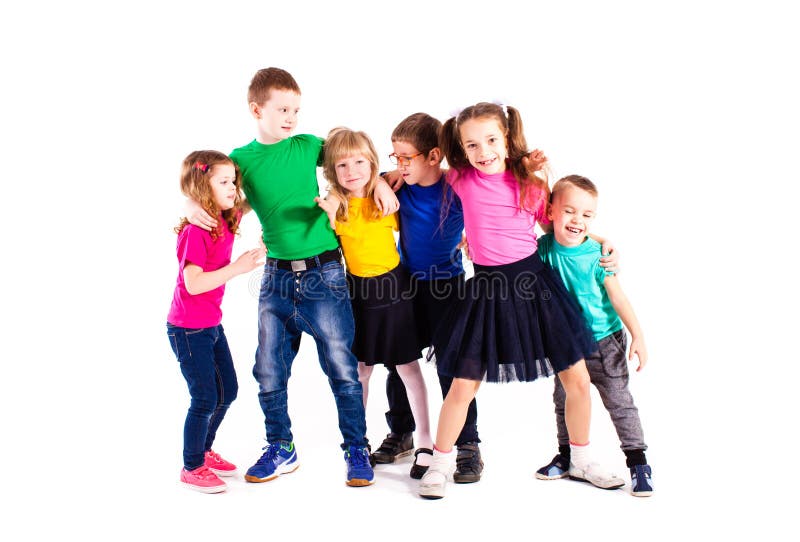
(608,371)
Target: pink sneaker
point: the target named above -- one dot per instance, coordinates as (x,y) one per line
(203,480)
(220,466)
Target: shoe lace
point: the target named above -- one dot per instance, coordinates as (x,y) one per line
(270,454)
(214,455)
(358,457)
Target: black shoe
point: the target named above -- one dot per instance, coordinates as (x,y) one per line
(469,464)
(418,471)
(394,447)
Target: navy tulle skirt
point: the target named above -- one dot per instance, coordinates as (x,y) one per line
(516,322)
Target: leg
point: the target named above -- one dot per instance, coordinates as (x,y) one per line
(469,463)
(414,383)
(227,385)
(451,421)
(326,315)
(194,349)
(559,465)
(399,416)
(278,343)
(364,374)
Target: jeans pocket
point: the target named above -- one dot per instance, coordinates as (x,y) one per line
(179,342)
(333,276)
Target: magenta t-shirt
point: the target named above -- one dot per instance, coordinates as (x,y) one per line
(196,246)
(498,231)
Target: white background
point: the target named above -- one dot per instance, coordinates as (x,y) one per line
(685,114)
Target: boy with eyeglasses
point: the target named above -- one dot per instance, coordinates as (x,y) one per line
(431,230)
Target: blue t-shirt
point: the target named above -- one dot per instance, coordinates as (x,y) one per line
(579,268)
(428,238)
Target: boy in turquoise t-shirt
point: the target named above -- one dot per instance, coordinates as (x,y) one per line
(575,256)
(303,289)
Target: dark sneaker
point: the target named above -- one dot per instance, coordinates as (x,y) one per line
(359,471)
(394,447)
(418,471)
(641,481)
(278,459)
(557,468)
(469,464)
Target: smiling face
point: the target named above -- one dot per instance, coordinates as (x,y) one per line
(484,143)
(353,173)
(572,212)
(276,119)
(223,185)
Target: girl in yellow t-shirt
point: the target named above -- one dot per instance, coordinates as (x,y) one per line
(379,286)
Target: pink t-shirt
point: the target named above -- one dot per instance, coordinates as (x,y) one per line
(196,246)
(498,231)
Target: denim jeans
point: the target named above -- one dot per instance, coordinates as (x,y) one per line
(207,366)
(315,301)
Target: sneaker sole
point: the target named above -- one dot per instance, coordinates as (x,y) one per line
(201,489)
(281,470)
(359,482)
(387,459)
(430,494)
(577,479)
(641,493)
(224,472)
(466,478)
(541,476)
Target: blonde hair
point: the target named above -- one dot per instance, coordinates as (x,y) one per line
(578,181)
(342,143)
(196,172)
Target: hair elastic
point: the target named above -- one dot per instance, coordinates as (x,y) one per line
(201,166)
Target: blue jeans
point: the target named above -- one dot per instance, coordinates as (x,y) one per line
(315,301)
(207,366)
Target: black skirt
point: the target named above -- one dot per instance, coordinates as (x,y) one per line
(384,319)
(516,322)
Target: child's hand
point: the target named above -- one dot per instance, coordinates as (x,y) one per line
(249,260)
(196,215)
(610,259)
(393,179)
(535,161)
(463,245)
(330,205)
(385,199)
(638,348)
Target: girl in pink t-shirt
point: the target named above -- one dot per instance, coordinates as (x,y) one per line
(517,322)
(194,321)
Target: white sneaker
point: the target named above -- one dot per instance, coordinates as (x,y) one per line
(596,475)
(433,482)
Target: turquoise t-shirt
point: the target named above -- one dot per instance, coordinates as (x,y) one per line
(579,268)
(280,182)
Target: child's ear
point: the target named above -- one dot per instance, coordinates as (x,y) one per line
(435,156)
(255,110)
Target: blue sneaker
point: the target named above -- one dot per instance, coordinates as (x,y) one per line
(641,481)
(557,468)
(359,471)
(278,459)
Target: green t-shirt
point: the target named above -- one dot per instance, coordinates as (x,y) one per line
(579,268)
(280,182)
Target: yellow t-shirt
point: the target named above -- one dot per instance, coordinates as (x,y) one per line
(368,245)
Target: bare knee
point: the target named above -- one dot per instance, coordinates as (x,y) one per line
(462,391)
(575,379)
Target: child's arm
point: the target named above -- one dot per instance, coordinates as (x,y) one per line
(196,215)
(385,199)
(198,281)
(625,311)
(330,204)
(393,179)
(610,259)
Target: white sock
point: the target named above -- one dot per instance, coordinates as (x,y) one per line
(579,454)
(424,459)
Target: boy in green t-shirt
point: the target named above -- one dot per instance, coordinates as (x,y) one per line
(303,288)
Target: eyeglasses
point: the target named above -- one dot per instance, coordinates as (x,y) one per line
(398,160)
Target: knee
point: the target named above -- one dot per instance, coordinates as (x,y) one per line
(575,381)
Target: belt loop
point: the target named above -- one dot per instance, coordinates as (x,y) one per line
(316,259)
